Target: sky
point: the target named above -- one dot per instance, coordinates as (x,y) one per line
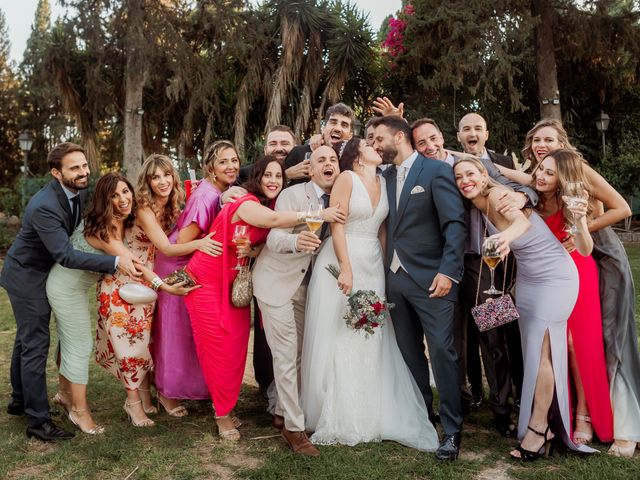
(19,16)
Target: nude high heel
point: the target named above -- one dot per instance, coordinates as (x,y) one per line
(142,423)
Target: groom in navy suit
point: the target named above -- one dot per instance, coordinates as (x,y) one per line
(426,233)
(47,223)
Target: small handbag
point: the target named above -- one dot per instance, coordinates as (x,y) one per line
(495,311)
(180,275)
(242,289)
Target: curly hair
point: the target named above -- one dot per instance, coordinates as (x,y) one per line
(145,197)
(563,138)
(99,219)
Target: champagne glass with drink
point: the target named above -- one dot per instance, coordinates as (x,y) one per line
(314,219)
(491,256)
(575,191)
(241,239)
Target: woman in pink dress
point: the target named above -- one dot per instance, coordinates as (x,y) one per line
(124,330)
(177,370)
(221,330)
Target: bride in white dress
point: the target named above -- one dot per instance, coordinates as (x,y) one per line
(354,388)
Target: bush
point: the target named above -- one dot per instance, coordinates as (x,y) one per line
(622,167)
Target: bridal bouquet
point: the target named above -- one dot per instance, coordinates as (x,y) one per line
(367,310)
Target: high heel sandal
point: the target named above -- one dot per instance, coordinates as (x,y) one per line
(142,423)
(528,455)
(148,410)
(97,430)
(58,400)
(179,411)
(232,434)
(578,435)
(619,451)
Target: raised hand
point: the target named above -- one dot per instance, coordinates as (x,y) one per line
(315,141)
(385,107)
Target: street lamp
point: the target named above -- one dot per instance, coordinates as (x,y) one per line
(25,139)
(602,124)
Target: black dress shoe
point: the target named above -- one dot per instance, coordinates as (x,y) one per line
(49,432)
(15,408)
(449,447)
(477,401)
(505,426)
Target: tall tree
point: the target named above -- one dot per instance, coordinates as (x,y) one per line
(548,92)
(135,78)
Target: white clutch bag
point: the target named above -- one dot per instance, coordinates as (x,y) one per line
(135,294)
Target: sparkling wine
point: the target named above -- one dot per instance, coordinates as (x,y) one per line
(314,224)
(241,241)
(492,262)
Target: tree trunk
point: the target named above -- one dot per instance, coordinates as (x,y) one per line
(135,77)
(548,92)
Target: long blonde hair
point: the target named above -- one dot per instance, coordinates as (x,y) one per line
(475,161)
(563,138)
(167,215)
(569,168)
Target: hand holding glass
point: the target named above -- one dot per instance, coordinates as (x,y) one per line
(241,239)
(575,191)
(491,256)
(314,219)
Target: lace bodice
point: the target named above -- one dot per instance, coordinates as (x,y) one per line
(364,219)
(78,241)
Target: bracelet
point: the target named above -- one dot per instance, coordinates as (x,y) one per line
(156,283)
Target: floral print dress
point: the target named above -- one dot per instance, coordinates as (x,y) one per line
(124,330)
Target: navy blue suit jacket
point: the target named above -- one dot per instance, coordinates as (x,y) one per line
(427,229)
(42,241)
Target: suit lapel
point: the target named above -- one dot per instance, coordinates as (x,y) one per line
(390,178)
(409,183)
(64,203)
(312,195)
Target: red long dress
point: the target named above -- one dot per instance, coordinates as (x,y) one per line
(585,326)
(220,330)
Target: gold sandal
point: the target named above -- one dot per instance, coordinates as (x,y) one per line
(232,434)
(97,430)
(179,411)
(142,423)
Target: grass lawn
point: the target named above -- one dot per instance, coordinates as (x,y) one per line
(188,448)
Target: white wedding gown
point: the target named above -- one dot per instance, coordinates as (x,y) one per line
(356,389)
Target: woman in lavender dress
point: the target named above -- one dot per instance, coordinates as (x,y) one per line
(178,375)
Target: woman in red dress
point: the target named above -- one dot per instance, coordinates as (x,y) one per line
(221,330)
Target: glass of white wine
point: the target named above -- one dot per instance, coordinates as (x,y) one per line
(574,191)
(241,239)
(314,220)
(491,256)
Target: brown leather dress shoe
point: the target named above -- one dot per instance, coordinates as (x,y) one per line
(277,422)
(299,443)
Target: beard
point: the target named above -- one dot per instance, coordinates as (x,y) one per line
(389,154)
(75,183)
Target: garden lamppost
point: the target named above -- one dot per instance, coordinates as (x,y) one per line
(602,124)
(26,142)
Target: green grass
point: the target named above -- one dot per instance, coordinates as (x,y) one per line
(188,449)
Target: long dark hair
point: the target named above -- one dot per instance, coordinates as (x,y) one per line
(253,184)
(98,220)
(348,152)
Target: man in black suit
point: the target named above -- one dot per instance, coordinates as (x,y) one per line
(425,245)
(500,347)
(48,221)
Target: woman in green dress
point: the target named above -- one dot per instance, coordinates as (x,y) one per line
(67,292)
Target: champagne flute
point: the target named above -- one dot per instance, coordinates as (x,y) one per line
(575,191)
(491,256)
(314,220)
(241,239)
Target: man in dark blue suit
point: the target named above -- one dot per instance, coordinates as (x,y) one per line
(426,234)
(48,221)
